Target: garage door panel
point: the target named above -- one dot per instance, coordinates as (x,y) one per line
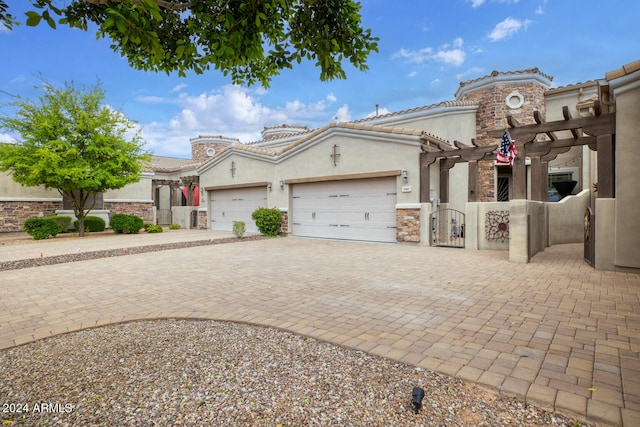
(353,210)
(229,206)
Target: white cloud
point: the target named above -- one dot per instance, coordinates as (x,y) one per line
(473,71)
(448,54)
(413,74)
(507,28)
(435,82)
(231,111)
(18,79)
(151,99)
(477,3)
(5,138)
(178,87)
(343,114)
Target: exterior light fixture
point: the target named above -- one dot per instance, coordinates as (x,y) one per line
(269,186)
(281,184)
(405,176)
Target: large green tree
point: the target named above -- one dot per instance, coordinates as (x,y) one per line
(251,40)
(70,141)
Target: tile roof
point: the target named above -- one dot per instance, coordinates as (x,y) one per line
(169,164)
(355,126)
(424,108)
(495,73)
(624,70)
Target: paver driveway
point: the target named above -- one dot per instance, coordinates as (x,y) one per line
(554,331)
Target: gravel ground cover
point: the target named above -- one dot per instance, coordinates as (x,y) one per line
(209,373)
(83,256)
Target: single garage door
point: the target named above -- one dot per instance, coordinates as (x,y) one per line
(228,206)
(363,209)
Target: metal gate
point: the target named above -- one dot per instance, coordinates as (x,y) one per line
(163,216)
(589,237)
(447,228)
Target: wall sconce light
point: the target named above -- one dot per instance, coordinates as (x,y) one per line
(201,191)
(405,176)
(269,186)
(281,184)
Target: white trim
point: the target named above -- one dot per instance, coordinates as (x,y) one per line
(127,201)
(30,199)
(527,162)
(408,206)
(413,116)
(487,81)
(518,104)
(625,83)
(409,139)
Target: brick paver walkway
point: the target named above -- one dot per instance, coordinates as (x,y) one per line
(553,332)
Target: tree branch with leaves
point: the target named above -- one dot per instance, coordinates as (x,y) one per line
(249,40)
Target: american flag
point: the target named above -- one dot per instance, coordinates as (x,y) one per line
(507,151)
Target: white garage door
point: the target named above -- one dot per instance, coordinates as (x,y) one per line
(228,206)
(361,209)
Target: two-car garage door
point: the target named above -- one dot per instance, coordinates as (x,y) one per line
(362,209)
(230,205)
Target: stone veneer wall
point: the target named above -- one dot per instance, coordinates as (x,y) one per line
(408,225)
(141,209)
(492,114)
(202,220)
(284,224)
(13,214)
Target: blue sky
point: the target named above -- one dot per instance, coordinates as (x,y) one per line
(427,47)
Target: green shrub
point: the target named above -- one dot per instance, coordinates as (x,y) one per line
(239,229)
(41,228)
(154,228)
(91,224)
(127,224)
(174,226)
(63,221)
(267,220)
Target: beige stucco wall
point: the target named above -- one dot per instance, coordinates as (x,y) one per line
(566,219)
(475,218)
(139,191)
(626,91)
(11,190)
(361,152)
(527,229)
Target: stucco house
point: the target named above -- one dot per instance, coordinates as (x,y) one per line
(427,175)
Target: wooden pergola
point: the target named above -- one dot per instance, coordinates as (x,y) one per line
(434,148)
(538,141)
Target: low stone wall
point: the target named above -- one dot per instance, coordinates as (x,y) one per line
(13,214)
(142,209)
(408,225)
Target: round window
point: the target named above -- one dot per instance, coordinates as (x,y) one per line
(514,100)
(210,151)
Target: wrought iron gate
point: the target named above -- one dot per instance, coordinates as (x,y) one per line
(163,216)
(589,237)
(447,228)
